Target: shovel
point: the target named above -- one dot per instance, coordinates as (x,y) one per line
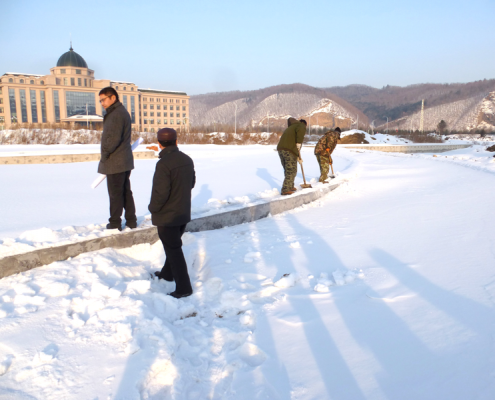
(333,175)
(304,185)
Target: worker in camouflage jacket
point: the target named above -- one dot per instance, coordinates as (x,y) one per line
(323,150)
(288,149)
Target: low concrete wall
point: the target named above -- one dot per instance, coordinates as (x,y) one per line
(407,148)
(65,158)
(22,262)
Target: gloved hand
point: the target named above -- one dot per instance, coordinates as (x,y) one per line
(300,160)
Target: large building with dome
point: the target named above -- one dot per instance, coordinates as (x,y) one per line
(69,94)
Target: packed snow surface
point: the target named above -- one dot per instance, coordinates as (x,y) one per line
(384,289)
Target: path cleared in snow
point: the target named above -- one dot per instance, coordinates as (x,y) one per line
(385,289)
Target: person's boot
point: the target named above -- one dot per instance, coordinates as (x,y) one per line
(179,295)
(157,274)
(110,226)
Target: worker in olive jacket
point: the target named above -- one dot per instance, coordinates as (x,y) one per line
(117,160)
(170,208)
(288,149)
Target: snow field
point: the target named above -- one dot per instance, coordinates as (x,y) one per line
(384,289)
(253,174)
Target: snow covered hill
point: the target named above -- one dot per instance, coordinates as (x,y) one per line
(273,106)
(474,113)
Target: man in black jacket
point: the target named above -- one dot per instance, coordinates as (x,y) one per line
(117,160)
(170,208)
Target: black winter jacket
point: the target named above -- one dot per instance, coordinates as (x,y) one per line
(174,178)
(116,151)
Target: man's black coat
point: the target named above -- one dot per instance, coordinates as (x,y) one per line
(174,179)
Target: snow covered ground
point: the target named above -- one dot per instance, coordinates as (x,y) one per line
(384,289)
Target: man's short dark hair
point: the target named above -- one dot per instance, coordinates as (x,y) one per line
(303,121)
(167,143)
(109,91)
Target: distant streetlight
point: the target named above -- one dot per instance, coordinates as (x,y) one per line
(235,119)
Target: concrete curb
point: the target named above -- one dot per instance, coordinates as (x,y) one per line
(409,148)
(66,158)
(23,262)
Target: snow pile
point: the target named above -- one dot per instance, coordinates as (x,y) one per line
(377,138)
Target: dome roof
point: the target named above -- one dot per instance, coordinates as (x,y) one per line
(71,59)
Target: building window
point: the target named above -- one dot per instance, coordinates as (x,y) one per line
(34,108)
(164,114)
(152,99)
(152,122)
(145,129)
(62,71)
(85,82)
(125,88)
(66,82)
(56,105)
(183,101)
(80,103)
(164,107)
(177,101)
(171,114)
(1,110)
(152,114)
(145,106)
(22,81)
(2,120)
(78,71)
(11,80)
(125,102)
(171,122)
(158,121)
(158,114)
(133,113)
(145,121)
(165,122)
(145,113)
(152,107)
(177,108)
(43,105)
(73,81)
(116,88)
(1,101)
(31,82)
(132,88)
(24,113)
(13,106)
(183,115)
(145,99)
(42,82)
(79,82)
(183,108)
(158,107)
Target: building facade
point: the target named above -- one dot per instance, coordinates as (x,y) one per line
(70,93)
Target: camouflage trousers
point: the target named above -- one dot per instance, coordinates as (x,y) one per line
(289,162)
(324,163)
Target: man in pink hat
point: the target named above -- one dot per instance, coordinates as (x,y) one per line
(170,208)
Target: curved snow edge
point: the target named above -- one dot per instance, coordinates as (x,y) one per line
(22,262)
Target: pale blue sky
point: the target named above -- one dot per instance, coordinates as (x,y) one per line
(218,45)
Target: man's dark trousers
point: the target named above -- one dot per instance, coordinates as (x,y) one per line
(175,267)
(119,191)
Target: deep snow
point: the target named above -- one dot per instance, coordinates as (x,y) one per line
(384,289)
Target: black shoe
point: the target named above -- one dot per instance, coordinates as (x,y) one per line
(132,225)
(110,226)
(179,295)
(157,274)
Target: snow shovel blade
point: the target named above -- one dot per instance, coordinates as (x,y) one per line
(306,186)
